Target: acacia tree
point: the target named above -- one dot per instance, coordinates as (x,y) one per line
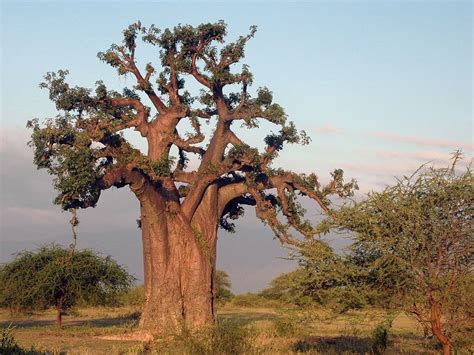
(181,208)
(323,277)
(416,242)
(56,277)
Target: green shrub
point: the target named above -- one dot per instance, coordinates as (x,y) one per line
(222,287)
(247,300)
(379,339)
(135,296)
(287,327)
(252,300)
(223,338)
(8,344)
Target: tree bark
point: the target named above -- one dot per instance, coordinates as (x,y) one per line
(435,320)
(59,315)
(179,264)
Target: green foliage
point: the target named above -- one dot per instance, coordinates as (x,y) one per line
(163,166)
(323,278)
(202,241)
(287,133)
(287,326)
(53,277)
(135,296)
(415,242)
(253,300)
(66,153)
(379,340)
(224,338)
(412,250)
(233,211)
(8,344)
(222,287)
(250,155)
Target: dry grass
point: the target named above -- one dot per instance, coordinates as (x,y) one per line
(270,331)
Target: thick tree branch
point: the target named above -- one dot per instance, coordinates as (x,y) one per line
(281,181)
(265,210)
(140,122)
(234,140)
(185,144)
(230,192)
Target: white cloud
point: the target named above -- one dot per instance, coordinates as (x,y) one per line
(329,129)
(422,156)
(423,141)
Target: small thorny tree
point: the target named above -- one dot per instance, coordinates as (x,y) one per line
(181,208)
(52,276)
(416,240)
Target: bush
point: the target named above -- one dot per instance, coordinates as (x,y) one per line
(223,338)
(252,300)
(379,340)
(8,344)
(287,327)
(323,278)
(135,296)
(222,287)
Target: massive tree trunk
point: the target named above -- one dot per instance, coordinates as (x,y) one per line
(179,264)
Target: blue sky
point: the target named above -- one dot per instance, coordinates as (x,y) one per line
(380,86)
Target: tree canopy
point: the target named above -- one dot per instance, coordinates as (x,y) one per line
(83,148)
(223,286)
(325,278)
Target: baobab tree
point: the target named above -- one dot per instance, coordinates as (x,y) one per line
(181,208)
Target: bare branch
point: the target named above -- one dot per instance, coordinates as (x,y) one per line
(185,144)
(145,85)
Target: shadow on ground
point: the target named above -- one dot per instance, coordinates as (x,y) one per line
(98,322)
(235,318)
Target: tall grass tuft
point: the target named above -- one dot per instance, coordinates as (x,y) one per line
(224,338)
(8,343)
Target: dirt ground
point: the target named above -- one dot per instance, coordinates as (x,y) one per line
(273,331)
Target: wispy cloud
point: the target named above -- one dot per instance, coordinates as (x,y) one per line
(422,141)
(328,128)
(381,171)
(421,156)
(35,215)
(381,168)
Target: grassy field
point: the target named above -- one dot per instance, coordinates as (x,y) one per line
(264,330)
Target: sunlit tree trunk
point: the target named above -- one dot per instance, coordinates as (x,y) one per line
(179,265)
